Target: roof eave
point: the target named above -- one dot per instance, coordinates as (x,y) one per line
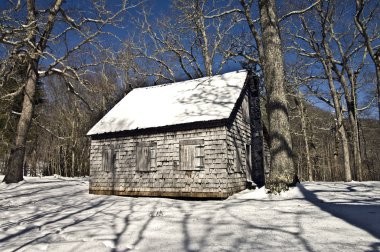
(163,129)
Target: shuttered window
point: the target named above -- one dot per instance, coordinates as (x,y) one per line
(146,156)
(192,154)
(108,158)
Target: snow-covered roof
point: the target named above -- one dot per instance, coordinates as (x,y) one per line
(204,99)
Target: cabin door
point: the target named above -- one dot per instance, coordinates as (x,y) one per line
(248,160)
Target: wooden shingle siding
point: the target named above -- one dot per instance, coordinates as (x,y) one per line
(238,136)
(199,162)
(167,178)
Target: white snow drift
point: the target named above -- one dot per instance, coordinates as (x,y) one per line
(53,214)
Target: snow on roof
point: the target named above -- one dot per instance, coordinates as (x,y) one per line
(204,99)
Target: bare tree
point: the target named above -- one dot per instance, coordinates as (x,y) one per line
(190,43)
(37,36)
(342,57)
(282,172)
(367,27)
(62,147)
(265,32)
(320,50)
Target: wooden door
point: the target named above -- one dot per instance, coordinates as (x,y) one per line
(248,160)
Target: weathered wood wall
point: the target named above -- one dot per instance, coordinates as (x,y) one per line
(167,179)
(238,137)
(224,169)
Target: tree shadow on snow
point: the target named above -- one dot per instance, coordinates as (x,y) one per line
(359,213)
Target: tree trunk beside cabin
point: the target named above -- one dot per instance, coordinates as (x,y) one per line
(14,170)
(282,173)
(256,149)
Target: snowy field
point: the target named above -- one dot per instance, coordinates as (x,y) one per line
(56,214)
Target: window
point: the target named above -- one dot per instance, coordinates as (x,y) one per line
(108,158)
(146,156)
(191,154)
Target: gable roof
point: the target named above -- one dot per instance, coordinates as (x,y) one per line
(199,100)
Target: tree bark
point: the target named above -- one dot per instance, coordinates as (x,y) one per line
(356,136)
(282,172)
(14,171)
(356,144)
(200,22)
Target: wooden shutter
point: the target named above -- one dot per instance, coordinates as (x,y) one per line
(108,159)
(191,154)
(187,157)
(143,158)
(105,160)
(146,156)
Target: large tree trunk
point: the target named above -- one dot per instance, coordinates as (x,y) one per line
(14,169)
(282,173)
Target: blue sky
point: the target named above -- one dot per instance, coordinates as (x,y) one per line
(161,8)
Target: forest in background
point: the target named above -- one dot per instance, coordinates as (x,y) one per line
(332,63)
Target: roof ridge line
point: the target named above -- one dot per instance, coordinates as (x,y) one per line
(181,82)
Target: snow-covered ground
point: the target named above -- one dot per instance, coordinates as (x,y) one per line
(56,214)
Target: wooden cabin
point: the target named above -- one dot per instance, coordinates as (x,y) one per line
(196,138)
